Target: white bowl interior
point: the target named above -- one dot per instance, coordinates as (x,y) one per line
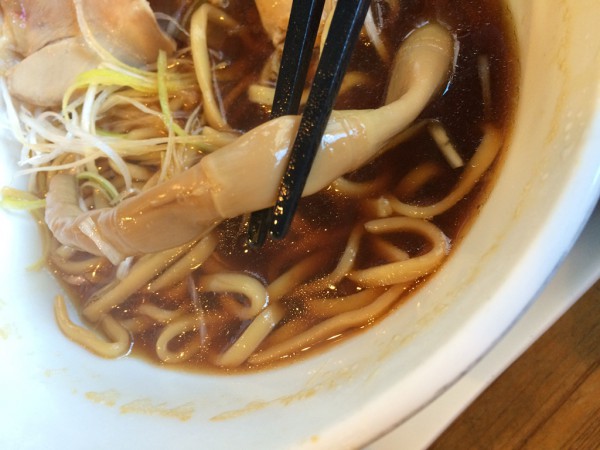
(55,393)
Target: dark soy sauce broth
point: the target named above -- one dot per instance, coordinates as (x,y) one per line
(325,220)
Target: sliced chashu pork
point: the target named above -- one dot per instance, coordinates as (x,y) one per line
(275,14)
(32,24)
(44,76)
(127,29)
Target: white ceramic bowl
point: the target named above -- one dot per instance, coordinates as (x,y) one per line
(55,395)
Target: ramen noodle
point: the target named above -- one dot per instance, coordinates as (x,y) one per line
(147,155)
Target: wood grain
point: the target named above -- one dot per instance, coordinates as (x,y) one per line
(548,399)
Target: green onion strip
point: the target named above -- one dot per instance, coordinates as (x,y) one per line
(163,94)
(101,182)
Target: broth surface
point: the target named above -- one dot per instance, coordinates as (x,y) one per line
(325,221)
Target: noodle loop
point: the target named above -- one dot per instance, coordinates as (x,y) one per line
(121,340)
(404,271)
(249,287)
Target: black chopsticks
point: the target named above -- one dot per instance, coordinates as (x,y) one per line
(303,27)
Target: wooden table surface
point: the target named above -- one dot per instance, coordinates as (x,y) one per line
(548,399)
